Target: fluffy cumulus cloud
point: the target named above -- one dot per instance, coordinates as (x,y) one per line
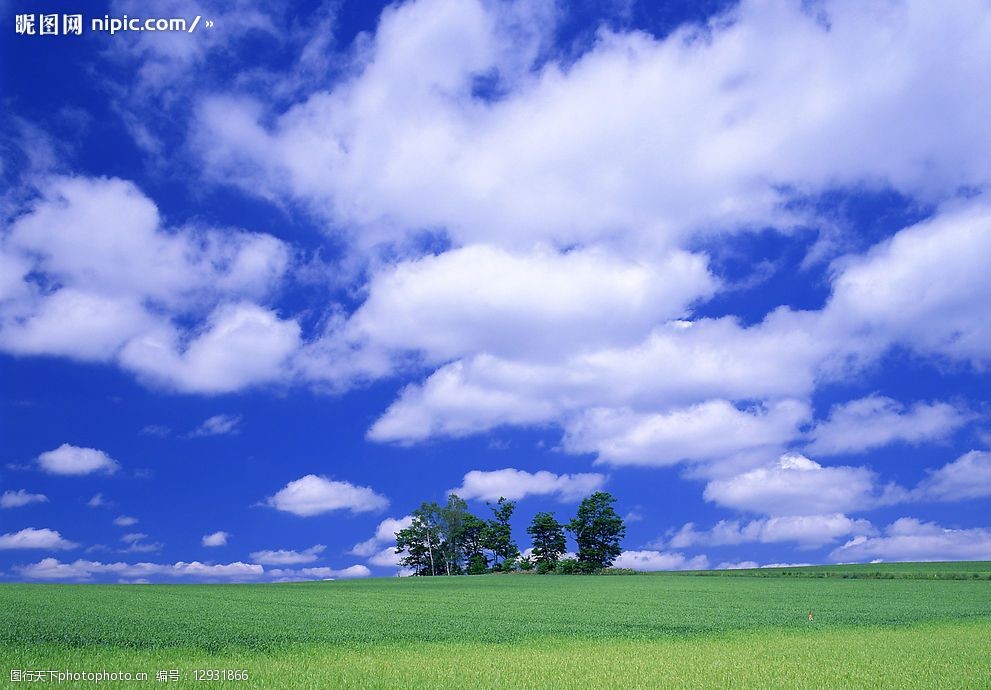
(796,485)
(239,345)
(874,421)
(31,538)
(908,539)
(21,497)
(74,460)
(925,287)
(288,557)
(515,484)
(53,569)
(586,296)
(967,477)
(313,495)
(385,533)
(707,431)
(771,94)
(659,560)
(100,278)
(215,539)
(808,531)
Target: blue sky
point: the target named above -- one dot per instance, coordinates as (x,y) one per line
(266,286)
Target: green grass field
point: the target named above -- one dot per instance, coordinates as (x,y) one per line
(660,630)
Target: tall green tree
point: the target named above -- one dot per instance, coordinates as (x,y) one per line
(498,535)
(420,543)
(452,527)
(474,530)
(547,535)
(599,530)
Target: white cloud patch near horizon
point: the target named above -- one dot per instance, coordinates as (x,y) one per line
(385,534)
(515,485)
(807,531)
(288,557)
(659,560)
(909,539)
(796,485)
(53,569)
(321,573)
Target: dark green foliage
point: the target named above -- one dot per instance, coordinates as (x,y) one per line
(478,565)
(525,564)
(472,544)
(599,531)
(567,566)
(453,525)
(421,541)
(548,539)
(545,567)
(498,535)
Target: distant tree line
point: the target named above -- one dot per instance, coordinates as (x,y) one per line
(449,540)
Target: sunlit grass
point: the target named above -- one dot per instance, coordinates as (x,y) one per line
(662,630)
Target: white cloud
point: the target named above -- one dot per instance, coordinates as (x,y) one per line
(120,281)
(387,557)
(73,460)
(876,421)
(97,501)
(744,565)
(739,565)
(680,364)
(125,521)
(284,557)
(52,569)
(619,200)
(711,430)
(908,539)
(967,477)
(137,543)
(215,539)
(385,533)
(218,425)
(768,96)
(31,538)
(16,499)
(323,573)
(482,298)
(515,484)
(659,560)
(926,287)
(240,345)
(808,531)
(796,485)
(312,495)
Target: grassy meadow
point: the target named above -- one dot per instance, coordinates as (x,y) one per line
(925,627)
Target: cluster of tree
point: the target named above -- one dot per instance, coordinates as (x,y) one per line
(450,540)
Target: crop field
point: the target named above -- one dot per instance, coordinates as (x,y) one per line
(517,631)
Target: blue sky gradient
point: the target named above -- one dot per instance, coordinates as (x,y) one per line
(269,285)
